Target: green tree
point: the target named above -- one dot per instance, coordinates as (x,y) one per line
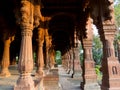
(58,57)
(97,50)
(117,12)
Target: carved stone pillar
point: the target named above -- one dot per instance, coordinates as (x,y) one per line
(47,49)
(67,60)
(76,61)
(69,63)
(5,59)
(40,59)
(64,63)
(52,58)
(110,63)
(25,65)
(89,74)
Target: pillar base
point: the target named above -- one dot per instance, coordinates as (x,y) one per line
(111,74)
(90,86)
(77,72)
(51,81)
(40,73)
(5,73)
(106,88)
(25,82)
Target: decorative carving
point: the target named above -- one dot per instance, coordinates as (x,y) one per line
(37,13)
(109,12)
(26,12)
(114,69)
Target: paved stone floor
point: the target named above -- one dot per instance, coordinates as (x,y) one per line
(65,81)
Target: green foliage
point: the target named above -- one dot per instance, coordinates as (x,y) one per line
(81,55)
(58,61)
(58,57)
(117,12)
(98,72)
(97,50)
(116,41)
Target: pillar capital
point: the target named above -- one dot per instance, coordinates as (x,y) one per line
(26,11)
(87,43)
(109,31)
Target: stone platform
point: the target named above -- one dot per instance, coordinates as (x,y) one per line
(65,82)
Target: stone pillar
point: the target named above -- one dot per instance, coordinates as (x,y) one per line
(25,65)
(66,61)
(89,74)
(110,63)
(5,59)
(69,63)
(76,58)
(52,58)
(77,72)
(63,61)
(47,49)
(40,59)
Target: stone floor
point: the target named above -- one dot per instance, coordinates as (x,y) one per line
(65,81)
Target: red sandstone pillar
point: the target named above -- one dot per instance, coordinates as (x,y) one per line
(52,57)
(66,61)
(77,71)
(5,59)
(69,63)
(47,49)
(25,65)
(40,59)
(110,63)
(76,59)
(89,74)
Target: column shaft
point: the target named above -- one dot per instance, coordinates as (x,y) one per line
(5,59)
(40,59)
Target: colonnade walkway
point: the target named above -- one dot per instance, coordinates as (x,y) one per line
(65,81)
